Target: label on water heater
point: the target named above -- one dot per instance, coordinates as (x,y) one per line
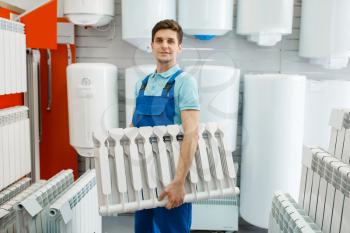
(85,88)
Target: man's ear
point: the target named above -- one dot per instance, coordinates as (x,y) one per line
(180,47)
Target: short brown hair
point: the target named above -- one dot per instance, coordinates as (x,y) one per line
(168,24)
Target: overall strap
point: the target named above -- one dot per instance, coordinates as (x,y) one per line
(144,84)
(169,86)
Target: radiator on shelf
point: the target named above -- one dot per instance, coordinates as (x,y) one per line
(324,190)
(287,216)
(33,212)
(8,216)
(76,211)
(15,158)
(13,72)
(134,165)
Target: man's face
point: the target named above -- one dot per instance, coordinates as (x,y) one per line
(165,46)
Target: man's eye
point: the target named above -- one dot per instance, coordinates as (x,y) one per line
(158,40)
(171,41)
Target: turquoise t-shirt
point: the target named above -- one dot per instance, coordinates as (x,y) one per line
(185,90)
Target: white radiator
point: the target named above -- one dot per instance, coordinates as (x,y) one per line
(8,217)
(287,217)
(137,163)
(13,71)
(340,134)
(76,211)
(33,212)
(14,189)
(223,214)
(324,192)
(15,156)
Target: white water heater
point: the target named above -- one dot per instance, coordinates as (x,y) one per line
(273,123)
(132,76)
(89,12)
(92,103)
(140,16)
(264,21)
(206,19)
(325,32)
(321,98)
(219,97)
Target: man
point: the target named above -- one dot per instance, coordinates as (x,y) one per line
(169,96)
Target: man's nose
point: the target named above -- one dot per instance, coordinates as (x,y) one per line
(164,44)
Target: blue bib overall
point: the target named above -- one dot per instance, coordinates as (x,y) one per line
(153,111)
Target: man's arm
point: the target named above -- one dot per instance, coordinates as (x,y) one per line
(176,189)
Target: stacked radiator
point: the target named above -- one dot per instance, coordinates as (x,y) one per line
(33,211)
(76,211)
(134,165)
(13,72)
(325,185)
(9,199)
(15,156)
(287,216)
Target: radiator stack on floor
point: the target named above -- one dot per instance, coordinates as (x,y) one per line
(33,211)
(133,166)
(287,216)
(76,211)
(9,199)
(324,199)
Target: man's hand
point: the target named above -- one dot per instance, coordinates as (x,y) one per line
(176,194)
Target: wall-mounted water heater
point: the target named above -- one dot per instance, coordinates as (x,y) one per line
(206,19)
(89,12)
(137,22)
(264,21)
(324,33)
(92,103)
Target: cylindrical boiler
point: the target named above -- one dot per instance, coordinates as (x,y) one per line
(264,21)
(139,17)
(92,103)
(89,12)
(219,97)
(205,19)
(273,121)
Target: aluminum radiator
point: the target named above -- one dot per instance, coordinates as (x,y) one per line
(324,193)
(15,156)
(20,190)
(33,212)
(133,166)
(8,193)
(287,217)
(76,211)
(13,72)
(339,144)
(324,189)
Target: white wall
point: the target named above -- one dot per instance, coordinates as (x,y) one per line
(231,50)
